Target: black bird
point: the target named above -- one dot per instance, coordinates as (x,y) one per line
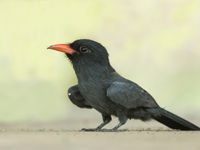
(102,88)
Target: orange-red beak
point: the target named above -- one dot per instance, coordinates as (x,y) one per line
(62,48)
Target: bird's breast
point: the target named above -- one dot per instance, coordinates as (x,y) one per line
(92,90)
(95,94)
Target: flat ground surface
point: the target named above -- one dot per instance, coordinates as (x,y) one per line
(62,140)
(66,135)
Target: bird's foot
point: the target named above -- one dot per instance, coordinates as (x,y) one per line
(90,129)
(115,130)
(104,130)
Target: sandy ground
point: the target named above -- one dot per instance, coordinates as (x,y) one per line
(66,135)
(75,140)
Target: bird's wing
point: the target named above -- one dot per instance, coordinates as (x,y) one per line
(130,95)
(76,97)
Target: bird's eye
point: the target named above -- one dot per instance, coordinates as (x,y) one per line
(84,49)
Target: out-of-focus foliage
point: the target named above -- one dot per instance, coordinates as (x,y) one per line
(154,43)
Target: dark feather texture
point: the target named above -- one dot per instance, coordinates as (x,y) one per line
(76,97)
(171,120)
(102,88)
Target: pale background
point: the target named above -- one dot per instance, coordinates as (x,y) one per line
(154,43)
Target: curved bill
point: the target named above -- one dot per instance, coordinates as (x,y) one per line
(62,48)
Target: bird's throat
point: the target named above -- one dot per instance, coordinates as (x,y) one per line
(93,72)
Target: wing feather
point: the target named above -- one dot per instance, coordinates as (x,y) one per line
(130,95)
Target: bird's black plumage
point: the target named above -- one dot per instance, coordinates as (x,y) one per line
(102,88)
(76,97)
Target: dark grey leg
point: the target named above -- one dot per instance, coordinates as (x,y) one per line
(122,120)
(106,120)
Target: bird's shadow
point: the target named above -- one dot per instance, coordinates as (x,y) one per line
(130,130)
(106,130)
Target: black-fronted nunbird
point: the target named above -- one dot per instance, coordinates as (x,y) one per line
(102,88)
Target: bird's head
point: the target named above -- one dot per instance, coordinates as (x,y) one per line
(84,51)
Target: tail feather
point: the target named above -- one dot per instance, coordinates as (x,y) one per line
(171,120)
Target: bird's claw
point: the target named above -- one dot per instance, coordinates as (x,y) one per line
(90,129)
(103,130)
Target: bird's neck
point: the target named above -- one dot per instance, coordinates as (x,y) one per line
(92,71)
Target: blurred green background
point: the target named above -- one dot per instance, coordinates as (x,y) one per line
(152,42)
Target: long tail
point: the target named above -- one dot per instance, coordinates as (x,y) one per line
(171,120)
